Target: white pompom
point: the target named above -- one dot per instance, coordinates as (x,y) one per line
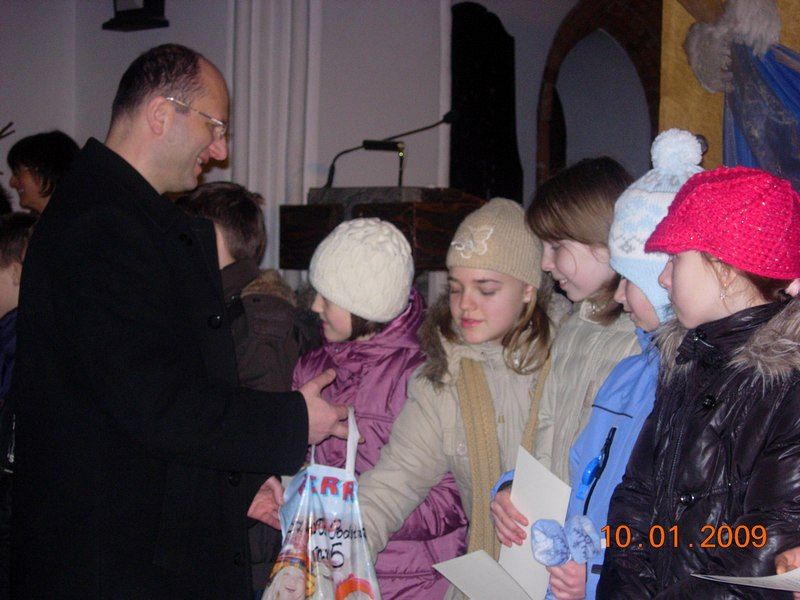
(674,150)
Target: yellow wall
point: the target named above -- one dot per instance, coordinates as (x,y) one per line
(684,103)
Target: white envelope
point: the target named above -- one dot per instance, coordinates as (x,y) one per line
(537,494)
(789,581)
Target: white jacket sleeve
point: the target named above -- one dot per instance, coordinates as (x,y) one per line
(411,463)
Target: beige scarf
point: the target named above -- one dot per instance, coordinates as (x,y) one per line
(483,447)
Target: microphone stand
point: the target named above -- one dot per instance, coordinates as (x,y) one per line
(332,169)
(449,117)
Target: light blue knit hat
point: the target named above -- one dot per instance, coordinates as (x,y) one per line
(676,156)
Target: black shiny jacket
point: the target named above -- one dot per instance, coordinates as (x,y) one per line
(716,467)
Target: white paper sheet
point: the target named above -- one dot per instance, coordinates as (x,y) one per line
(537,494)
(481,578)
(789,581)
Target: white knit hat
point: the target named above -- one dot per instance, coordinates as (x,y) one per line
(676,156)
(365,267)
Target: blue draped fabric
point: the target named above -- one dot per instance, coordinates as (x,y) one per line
(762,113)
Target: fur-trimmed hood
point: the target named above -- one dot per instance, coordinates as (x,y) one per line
(771,353)
(270,283)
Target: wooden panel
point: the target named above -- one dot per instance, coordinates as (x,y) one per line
(302,228)
(429,226)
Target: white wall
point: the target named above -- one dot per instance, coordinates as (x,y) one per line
(37,68)
(380,75)
(381,72)
(605,108)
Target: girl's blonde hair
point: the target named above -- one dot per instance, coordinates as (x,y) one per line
(578,204)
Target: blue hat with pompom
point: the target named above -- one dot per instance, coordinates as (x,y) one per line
(676,156)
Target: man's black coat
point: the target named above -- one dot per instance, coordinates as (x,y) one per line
(137,455)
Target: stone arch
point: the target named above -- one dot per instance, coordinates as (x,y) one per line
(636,26)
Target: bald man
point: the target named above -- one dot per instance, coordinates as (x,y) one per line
(137,452)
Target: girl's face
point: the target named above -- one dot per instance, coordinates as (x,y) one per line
(29,188)
(580,270)
(694,289)
(636,304)
(292,584)
(486,304)
(336,323)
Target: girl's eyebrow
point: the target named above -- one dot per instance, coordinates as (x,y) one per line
(478,281)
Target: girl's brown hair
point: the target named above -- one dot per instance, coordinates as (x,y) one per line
(359,326)
(578,204)
(771,290)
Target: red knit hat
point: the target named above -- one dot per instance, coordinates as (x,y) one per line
(742,216)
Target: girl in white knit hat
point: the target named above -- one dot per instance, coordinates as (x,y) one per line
(469,405)
(362,273)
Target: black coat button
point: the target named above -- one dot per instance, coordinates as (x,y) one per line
(238,559)
(686,499)
(186,239)
(234,477)
(215,321)
(699,334)
(709,401)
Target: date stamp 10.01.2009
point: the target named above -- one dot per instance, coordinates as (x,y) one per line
(709,536)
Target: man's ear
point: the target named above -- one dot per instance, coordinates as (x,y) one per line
(16,273)
(158,113)
(793,288)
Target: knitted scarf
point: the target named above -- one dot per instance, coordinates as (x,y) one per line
(483,447)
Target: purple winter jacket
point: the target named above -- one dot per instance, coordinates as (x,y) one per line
(371,375)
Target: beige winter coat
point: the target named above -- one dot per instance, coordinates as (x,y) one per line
(428,437)
(581,357)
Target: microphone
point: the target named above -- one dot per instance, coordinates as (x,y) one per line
(389,146)
(449,117)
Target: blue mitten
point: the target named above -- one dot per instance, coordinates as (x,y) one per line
(582,538)
(549,543)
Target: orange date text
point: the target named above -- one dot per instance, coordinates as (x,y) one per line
(709,536)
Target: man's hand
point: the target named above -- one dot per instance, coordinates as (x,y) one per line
(786,561)
(267,502)
(507,519)
(568,581)
(324,419)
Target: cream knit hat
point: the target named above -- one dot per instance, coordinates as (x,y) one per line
(495,237)
(365,267)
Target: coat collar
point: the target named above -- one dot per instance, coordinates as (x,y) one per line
(764,339)
(159,209)
(237,275)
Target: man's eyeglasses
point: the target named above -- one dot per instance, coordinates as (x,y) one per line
(220,127)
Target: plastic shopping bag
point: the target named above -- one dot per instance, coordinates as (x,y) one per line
(324,554)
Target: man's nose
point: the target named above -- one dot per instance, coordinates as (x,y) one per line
(219,149)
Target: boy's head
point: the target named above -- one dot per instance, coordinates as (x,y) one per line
(15,231)
(237,217)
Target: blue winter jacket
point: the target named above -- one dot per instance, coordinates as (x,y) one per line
(623,402)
